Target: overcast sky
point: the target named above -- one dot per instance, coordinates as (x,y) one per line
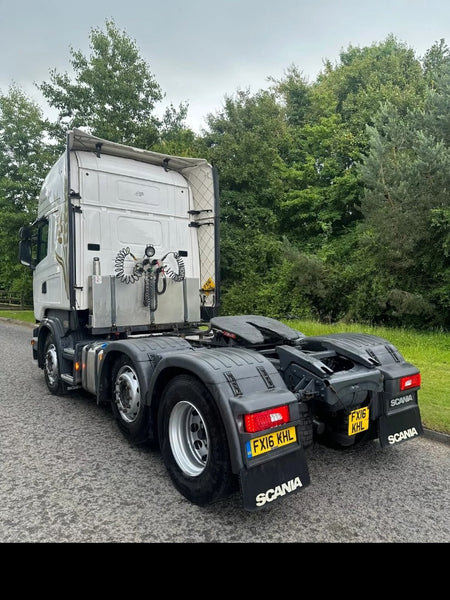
(201,50)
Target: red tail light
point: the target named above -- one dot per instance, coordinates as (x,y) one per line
(409,382)
(266,419)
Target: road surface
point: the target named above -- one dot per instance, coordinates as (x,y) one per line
(68,475)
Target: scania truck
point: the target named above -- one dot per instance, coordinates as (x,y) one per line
(125,255)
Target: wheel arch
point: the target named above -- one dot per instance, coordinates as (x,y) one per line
(154,379)
(194,365)
(49,326)
(112,353)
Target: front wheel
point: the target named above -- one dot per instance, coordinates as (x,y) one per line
(128,402)
(193,442)
(52,372)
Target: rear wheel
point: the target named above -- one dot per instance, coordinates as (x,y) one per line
(128,402)
(52,372)
(193,442)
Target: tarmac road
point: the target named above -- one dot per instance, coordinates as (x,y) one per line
(68,475)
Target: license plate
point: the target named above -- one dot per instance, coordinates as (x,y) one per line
(270,441)
(358,420)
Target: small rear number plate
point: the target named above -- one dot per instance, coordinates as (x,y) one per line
(266,443)
(358,420)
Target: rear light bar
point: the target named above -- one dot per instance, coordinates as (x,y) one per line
(266,419)
(411,381)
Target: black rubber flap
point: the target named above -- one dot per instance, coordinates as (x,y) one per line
(274,480)
(400,427)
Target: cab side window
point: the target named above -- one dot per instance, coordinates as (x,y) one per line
(42,241)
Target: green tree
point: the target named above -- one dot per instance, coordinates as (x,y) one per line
(320,209)
(435,61)
(365,78)
(407,208)
(321,189)
(25,156)
(327,125)
(294,93)
(113,94)
(244,142)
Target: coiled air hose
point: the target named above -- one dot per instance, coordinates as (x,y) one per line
(120,270)
(153,277)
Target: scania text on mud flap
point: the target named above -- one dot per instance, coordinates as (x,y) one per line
(126,291)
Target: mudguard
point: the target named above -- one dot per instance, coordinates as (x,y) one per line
(394,410)
(400,427)
(269,481)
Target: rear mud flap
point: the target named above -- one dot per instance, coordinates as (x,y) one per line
(400,427)
(264,483)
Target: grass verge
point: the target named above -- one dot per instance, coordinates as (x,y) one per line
(27,316)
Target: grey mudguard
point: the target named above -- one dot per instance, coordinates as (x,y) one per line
(145,352)
(255,329)
(396,412)
(240,381)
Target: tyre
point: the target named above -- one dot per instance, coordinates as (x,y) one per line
(193,442)
(128,401)
(52,373)
(306,431)
(306,427)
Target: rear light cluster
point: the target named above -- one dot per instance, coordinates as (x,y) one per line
(411,381)
(266,419)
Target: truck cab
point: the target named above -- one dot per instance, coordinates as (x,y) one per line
(125,239)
